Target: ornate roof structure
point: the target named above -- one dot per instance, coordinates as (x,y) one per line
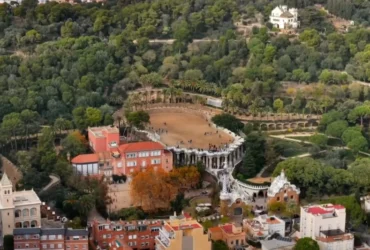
(279,183)
(5,180)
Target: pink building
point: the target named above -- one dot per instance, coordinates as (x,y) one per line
(111,158)
(102,139)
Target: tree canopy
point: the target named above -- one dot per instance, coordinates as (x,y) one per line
(306,244)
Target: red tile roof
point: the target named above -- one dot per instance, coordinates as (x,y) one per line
(85,158)
(140,146)
(214,229)
(187,215)
(322,210)
(227,228)
(186,226)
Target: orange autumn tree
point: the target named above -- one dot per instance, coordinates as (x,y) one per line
(185,177)
(152,190)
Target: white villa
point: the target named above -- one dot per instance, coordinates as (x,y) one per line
(283,18)
(17,209)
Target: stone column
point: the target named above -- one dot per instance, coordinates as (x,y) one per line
(218,161)
(199,158)
(177,158)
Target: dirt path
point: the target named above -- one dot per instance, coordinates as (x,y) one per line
(11,170)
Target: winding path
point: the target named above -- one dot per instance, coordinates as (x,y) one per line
(54,180)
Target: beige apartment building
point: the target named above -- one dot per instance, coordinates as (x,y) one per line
(231,234)
(17,209)
(182,233)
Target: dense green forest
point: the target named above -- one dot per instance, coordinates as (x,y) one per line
(72,66)
(77,62)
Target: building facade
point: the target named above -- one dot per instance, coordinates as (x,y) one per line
(124,235)
(283,18)
(263,226)
(45,239)
(111,158)
(182,233)
(281,190)
(19,209)
(229,233)
(326,225)
(103,139)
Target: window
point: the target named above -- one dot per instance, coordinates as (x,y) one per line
(34,246)
(27,245)
(143,154)
(291,197)
(131,155)
(60,246)
(155,153)
(101,228)
(278,198)
(44,237)
(121,236)
(51,245)
(26,212)
(134,236)
(130,237)
(77,238)
(33,211)
(52,237)
(147,237)
(84,247)
(131,163)
(156,161)
(60,237)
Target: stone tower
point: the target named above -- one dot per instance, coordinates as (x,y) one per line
(224,194)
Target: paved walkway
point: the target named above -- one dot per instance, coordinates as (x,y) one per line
(54,180)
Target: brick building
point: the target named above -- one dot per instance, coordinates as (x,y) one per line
(126,235)
(229,233)
(56,238)
(281,190)
(112,158)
